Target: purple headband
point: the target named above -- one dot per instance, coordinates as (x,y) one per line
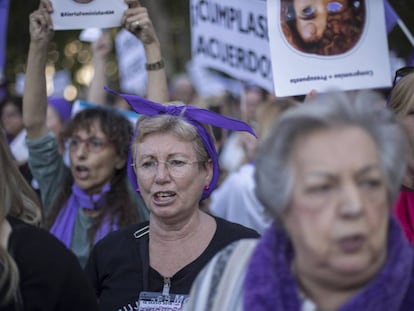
(62,107)
(195,116)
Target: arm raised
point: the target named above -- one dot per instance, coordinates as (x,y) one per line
(35,95)
(138,22)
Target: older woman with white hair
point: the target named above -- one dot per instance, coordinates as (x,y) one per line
(328,175)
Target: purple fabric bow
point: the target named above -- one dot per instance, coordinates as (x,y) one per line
(195,116)
(65,221)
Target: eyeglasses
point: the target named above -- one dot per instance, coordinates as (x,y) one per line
(401,73)
(176,167)
(93,144)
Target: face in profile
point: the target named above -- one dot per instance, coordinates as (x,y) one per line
(338,216)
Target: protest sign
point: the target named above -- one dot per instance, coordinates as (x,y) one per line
(81,14)
(210,83)
(90,34)
(231,36)
(340,45)
(131,63)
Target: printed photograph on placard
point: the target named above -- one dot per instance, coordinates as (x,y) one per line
(323,27)
(83,1)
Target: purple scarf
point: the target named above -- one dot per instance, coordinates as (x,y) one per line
(270,285)
(65,221)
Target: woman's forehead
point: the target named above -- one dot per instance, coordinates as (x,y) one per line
(164,143)
(92,127)
(337,147)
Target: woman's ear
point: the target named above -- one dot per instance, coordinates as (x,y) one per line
(209,170)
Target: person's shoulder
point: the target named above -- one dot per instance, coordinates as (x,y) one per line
(46,262)
(34,240)
(247,244)
(22,231)
(225,270)
(123,236)
(234,229)
(118,249)
(238,251)
(36,251)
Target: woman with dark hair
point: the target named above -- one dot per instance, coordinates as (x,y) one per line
(92,197)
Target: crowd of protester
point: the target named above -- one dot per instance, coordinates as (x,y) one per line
(232,202)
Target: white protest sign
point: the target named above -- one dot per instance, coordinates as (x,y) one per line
(81,14)
(211,83)
(131,63)
(328,45)
(90,34)
(231,36)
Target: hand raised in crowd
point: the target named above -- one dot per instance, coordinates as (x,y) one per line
(312,94)
(103,45)
(137,21)
(41,25)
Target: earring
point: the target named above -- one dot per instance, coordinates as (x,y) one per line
(137,190)
(206,187)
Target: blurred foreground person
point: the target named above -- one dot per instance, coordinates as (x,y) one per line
(328,175)
(37,271)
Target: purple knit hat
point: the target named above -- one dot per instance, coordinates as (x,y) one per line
(195,116)
(62,107)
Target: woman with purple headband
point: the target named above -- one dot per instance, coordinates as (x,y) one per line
(174,166)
